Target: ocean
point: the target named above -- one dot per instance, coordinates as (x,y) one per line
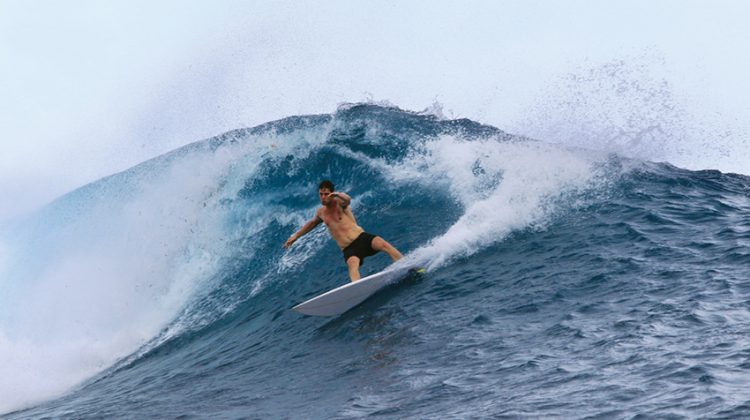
(560,282)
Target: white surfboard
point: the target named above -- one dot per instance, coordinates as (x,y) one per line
(341,299)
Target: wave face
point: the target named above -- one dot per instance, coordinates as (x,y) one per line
(560,282)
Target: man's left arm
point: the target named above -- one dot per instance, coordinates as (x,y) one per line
(344,198)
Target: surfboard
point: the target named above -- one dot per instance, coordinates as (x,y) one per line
(343,298)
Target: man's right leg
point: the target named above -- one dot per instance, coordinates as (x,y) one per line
(353,264)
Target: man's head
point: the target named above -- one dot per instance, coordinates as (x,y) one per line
(325,188)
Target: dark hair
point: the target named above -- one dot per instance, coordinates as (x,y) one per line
(326,184)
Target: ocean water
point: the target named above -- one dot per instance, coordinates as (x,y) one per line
(560,282)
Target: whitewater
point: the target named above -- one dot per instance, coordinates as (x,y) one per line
(560,282)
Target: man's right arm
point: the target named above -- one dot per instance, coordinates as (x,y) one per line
(310,225)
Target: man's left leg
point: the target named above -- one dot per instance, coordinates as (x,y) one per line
(379,244)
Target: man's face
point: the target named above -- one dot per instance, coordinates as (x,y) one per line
(324,193)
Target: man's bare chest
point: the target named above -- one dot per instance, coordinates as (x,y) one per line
(333,217)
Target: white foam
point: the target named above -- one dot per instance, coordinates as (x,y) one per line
(503,186)
(122,265)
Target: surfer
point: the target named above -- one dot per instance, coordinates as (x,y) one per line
(355,243)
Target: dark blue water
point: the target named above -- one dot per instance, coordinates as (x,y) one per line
(560,283)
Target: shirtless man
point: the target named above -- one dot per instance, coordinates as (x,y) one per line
(350,237)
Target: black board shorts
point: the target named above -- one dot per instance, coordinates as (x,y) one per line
(360,247)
